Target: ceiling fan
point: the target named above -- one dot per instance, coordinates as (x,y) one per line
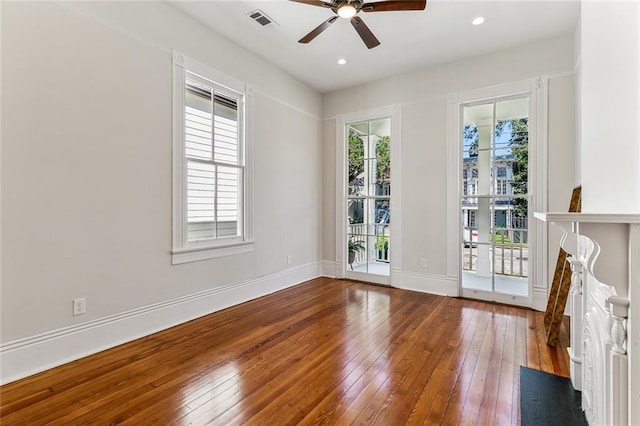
(348,9)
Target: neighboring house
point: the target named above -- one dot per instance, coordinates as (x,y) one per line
(504,215)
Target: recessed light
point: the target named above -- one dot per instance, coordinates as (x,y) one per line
(478,20)
(342,61)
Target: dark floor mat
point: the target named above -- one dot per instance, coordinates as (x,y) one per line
(549,400)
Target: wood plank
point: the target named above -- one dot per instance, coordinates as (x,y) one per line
(561,283)
(455,407)
(415,350)
(324,352)
(486,413)
(433,401)
(533,347)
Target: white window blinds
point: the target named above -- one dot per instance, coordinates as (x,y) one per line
(214,166)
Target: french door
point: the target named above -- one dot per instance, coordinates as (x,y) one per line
(367,200)
(494,200)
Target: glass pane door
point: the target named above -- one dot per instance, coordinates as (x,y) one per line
(368,200)
(494,199)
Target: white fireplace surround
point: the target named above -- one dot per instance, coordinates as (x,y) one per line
(604,255)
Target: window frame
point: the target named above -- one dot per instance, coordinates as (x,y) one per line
(537,90)
(182,250)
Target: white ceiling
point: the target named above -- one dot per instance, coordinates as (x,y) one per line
(410,40)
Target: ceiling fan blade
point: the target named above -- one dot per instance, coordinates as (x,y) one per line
(392,5)
(365,33)
(315,3)
(320,28)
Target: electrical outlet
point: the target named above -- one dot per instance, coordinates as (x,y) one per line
(423,263)
(79,306)
(289,260)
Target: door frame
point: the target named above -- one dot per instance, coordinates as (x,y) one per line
(392,112)
(537,91)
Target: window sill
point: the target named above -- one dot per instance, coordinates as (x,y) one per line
(194,254)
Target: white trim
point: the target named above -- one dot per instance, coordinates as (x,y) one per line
(368,278)
(578,64)
(1,210)
(183,251)
(538,188)
(540,298)
(341,218)
(439,97)
(208,73)
(393,112)
(633,321)
(111,25)
(178,172)
(453,218)
(24,357)
(508,299)
(288,105)
(371,114)
(537,90)
(329,268)
(551,217)
(195,254)
(497,91)
(426,283)
(247,149)
(560,75)
(395,227)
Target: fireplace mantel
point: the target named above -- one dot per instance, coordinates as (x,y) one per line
(604,255)
(588,217)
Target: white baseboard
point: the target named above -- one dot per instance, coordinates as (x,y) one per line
(329,269)
(437,284)
(540,297)
(425,283)
(31,355)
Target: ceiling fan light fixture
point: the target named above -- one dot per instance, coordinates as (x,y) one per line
(342,61)
(347,11)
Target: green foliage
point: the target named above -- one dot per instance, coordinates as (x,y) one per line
(382,243)
(355,245)
(356,155)
(470,131)
(383,157)
(501,238)
(519,142)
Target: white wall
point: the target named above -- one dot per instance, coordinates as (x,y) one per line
(610,90)
(86,177)
(422,96)
(577,103)
(610,133)
(561,159)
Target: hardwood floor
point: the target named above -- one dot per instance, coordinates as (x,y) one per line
(324,352)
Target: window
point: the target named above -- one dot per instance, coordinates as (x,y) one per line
(368,203)
(472,219)
(501,187)
(211,146)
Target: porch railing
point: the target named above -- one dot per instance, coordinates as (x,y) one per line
(376,250)
(508,251)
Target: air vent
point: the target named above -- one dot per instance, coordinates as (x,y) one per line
(261,18)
